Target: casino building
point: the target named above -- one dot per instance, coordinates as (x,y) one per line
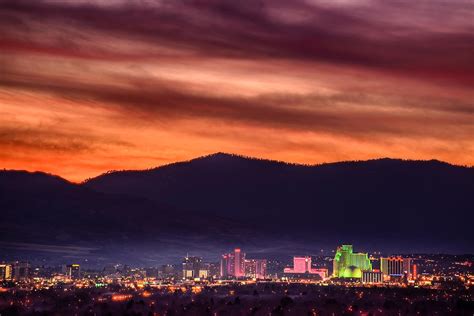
(302,269)
(348,264)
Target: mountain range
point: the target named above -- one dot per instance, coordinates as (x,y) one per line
(222,200)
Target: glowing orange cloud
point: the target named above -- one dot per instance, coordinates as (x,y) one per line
(90,87)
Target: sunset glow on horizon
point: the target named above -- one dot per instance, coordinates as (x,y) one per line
(92,86)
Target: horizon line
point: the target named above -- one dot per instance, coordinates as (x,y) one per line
(239,156)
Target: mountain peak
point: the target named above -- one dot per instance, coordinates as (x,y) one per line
(221,159)
(219,155)
(230,157)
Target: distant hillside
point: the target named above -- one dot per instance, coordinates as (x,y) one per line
(44,215)
(378,199)
(226,200)
(42,207)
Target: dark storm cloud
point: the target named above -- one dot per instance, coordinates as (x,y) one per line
(278,29)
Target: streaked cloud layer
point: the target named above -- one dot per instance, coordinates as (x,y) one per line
(89,86)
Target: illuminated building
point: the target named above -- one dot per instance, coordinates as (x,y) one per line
(408,267)
(227,265)
(256,268)
(73,271)
(414,273)
(395,266)
(192,267)
(21,270)
(372,277)
(233,264)
(204,271)
(5,271)
(239,264)
(348,264)
(214,269)
(302,266)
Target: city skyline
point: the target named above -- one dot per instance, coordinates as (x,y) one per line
(236,265)
(421,284)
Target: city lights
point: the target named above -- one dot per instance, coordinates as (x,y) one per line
(242,280)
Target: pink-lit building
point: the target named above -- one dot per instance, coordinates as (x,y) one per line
(302,265)
(227,265)
(239,263)
(233,264)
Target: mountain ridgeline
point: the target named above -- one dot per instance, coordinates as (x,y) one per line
(229,199)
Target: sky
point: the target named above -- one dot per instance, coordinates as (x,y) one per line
(88,86)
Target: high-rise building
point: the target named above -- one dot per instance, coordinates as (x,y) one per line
(227,265)
(204,271)
(414,273)
(191,267)
(73,271)
(302,265)
(256,268)
(348,264)
(21,270)
(372,277)
(408,267)
(167,271)
(239,264)
(233,264)
(214,269)
(396,266)
(5,271)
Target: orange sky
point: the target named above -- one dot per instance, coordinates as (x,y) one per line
(96,86)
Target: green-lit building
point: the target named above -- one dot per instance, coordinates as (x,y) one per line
(348,264)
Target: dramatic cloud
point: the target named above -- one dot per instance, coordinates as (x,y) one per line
(307,81)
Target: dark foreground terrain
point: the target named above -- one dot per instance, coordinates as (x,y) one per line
(252,299)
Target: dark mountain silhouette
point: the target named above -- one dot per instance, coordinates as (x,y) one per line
(40,212)
(428,203)
(222,200)
(42,206)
